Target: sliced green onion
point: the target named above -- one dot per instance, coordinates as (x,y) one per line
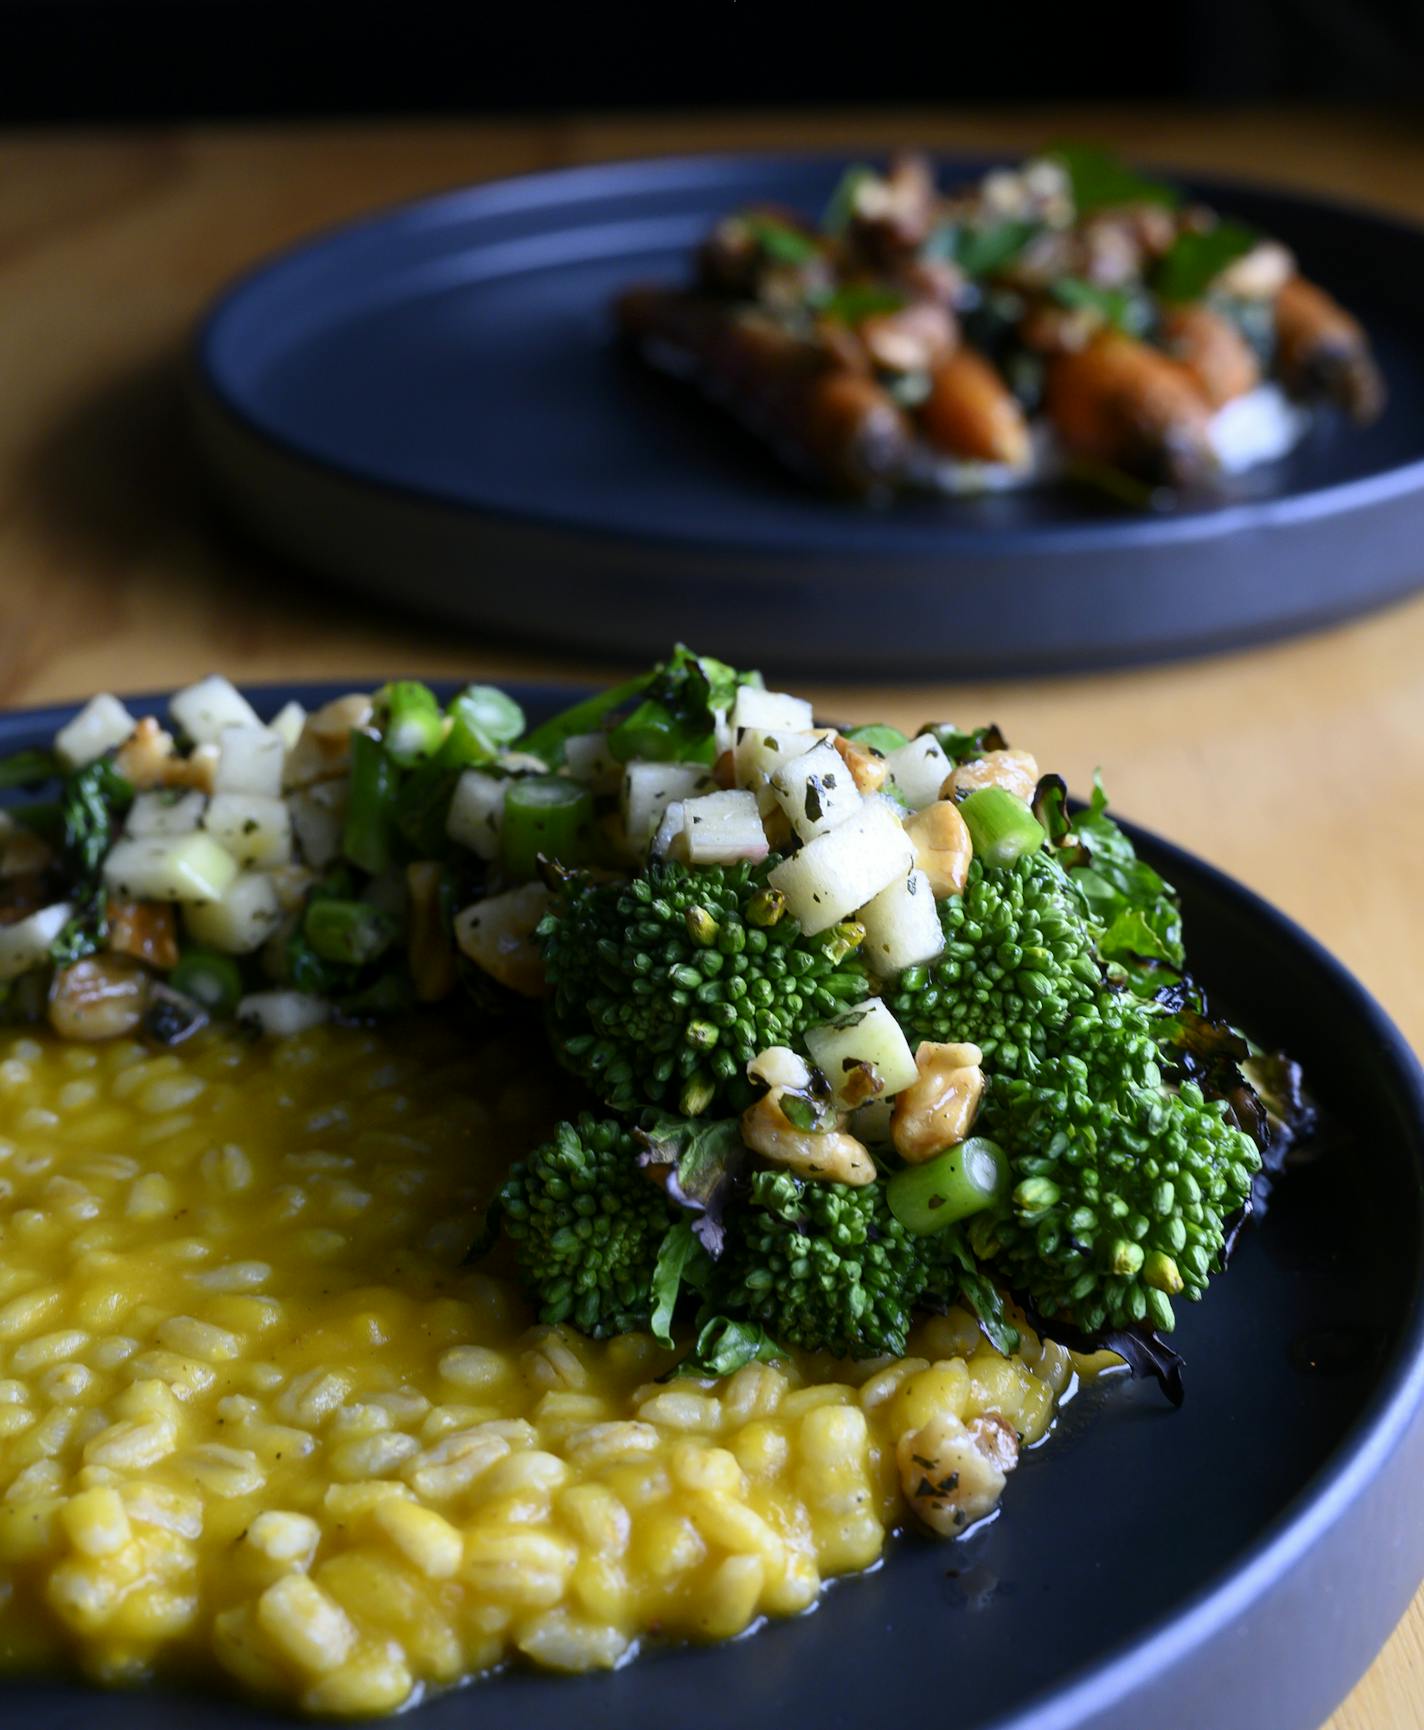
(878,737)
(547,741)
(546,814)
(28,769)
(1001,826)
(482,719)
(370,808)
(414,727)
(391,994)
(213,980)
(351,932)
(963,1180)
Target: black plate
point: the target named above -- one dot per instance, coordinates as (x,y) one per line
(1236,1563)
(430,405)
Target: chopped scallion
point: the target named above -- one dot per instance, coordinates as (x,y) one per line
(212,980)
(1001,826)
(414,727)
(963,1180)
(350,932)
(366,837)
(544,814)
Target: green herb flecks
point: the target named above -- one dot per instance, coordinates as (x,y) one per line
(1196,259)
(1101,180)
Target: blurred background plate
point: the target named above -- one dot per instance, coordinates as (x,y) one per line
(1235,1563)
(430,406)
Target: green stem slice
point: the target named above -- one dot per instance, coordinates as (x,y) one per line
(963,1180)
(1001,826)
(546,814)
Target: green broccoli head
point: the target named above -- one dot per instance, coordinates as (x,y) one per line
(1017,963)
(665,987)
(587,1224)
(1123,1187)
(823,1266)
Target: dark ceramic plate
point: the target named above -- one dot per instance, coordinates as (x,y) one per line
(1235,1563)
(430,406)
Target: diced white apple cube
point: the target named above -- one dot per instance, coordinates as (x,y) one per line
(770,709)
(318,815)
(867,1034)
(919,770)
(667,839)
(283,1012)
(257,831)
(250,761)
(287,724)
(476,813)
(160,813)
(648,790)
(816,790)
(204,709)
(101,725)
(721,828)
(902,927)
(759,752)
(242,919)
(25,944)
(192,867)
(841,870)
(588,759)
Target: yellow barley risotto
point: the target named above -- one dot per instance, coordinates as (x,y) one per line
(256,1417)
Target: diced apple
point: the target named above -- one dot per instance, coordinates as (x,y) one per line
(721,828)
(816,791)
(288,723)
(283,1012)
(204,709)
(101,725)
(588,759)
(841,870)
(760,752)
(25,944)
(250,761)
(648,790)
(160,813)
(919,770)
(476,813)
(257,831)
(318,815)
(186,868)
(770,709)
(902,926)
(242,920)
(667,840)
(868,1034)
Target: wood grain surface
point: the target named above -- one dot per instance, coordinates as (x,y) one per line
(1298,768)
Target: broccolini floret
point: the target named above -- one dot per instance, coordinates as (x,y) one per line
(663,988)
(1123,1187)
(1017,964)
(587,1225)
(823,1266)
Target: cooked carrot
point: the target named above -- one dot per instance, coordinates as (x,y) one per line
(1213,351)
(800,391)
(971,413)
(1122,403)
(1322,351)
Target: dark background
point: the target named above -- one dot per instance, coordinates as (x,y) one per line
(103,60)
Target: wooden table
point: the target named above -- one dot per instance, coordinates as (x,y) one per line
(1291,767)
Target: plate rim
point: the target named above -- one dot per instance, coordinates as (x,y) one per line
(210,390)
(1326,1498)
